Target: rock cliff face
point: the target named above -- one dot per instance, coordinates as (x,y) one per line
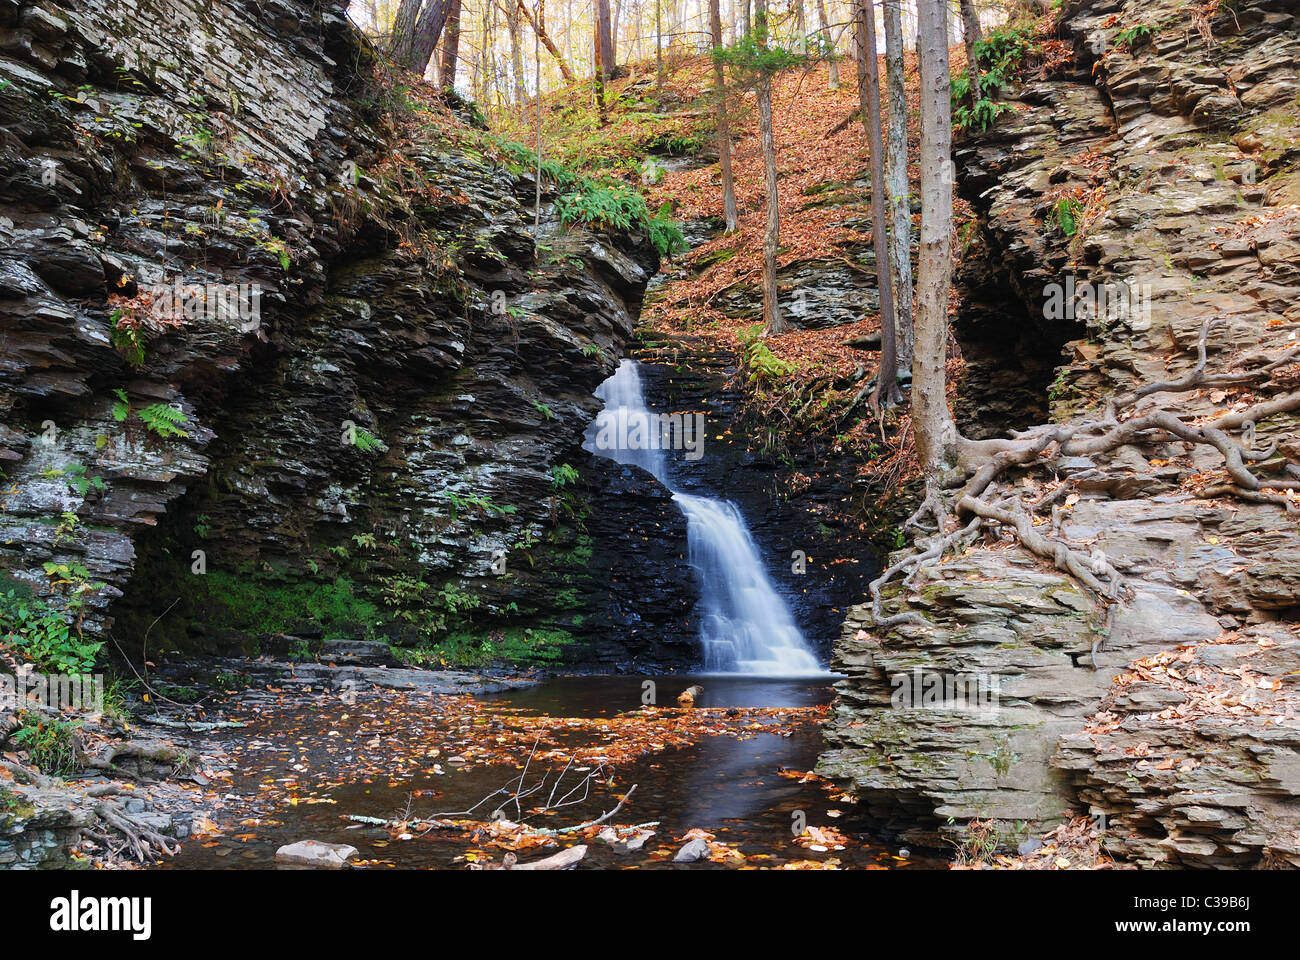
(1180,151)
(393,418)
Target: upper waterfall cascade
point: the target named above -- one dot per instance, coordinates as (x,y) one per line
(745,625)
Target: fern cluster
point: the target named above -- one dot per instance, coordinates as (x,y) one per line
(596,203)
(1000,57)
(161,419)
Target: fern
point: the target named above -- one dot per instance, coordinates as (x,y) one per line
(365,441)
(121,406)
(163,419)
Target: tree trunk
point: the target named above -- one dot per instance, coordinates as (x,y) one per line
(886,393)
(900,235)
(772,235)
(833,79)
(659,49)
(399,47)
(936,435)
(451,45)
(427,31)
(516,56)
(604,40)
(599,74)
(538,23)
(724,134)
(971,30)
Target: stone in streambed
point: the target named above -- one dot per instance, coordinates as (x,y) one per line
(314,853)
(696,849)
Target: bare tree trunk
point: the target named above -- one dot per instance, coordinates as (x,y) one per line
(772,235)
(604,40)
(399,47)
(971,30)
(659,49)
(568,29)
(800,19)
(428,29)
(886,393)
(538,23)
(833,79)
(599,74)
(450,46)
(724,133)
(516,56)
(900,235)
(936,434)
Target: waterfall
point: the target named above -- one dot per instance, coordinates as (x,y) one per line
(745,626)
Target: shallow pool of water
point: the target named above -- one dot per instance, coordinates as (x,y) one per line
(732,788)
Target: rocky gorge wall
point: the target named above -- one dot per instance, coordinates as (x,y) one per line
(397,420)
(1170,716)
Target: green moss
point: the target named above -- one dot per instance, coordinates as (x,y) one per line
(526,646)
(255,605)
(13,809)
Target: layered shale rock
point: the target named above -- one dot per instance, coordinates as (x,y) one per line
(391,430)
(1176,159)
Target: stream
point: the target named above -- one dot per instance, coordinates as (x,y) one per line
(373,772)
(749,793)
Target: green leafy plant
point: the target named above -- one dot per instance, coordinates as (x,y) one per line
(43,634)
(365,441)
(1066,212)
(1135,36)
(79,483)
(1000,56)
(51,743)
(759,360)
(563,474)
(163,420)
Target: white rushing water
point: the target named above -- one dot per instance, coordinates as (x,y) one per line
(745,626)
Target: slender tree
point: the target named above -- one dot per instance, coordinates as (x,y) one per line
(604,40)
(772,319)
(659,49)
(833,67)
(886,393)
(971,31)
(730,212)
(450,46)
(900,219)
(516,56)
(932,423)
(600,73)
(538,22)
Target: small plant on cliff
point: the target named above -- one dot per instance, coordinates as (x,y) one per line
(1066,214)
(161,419)
(759,360)
(1133,37)
(43,634)
(562,475)
(1001,57)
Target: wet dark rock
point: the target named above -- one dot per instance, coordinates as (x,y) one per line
(471,378)
(1159,132)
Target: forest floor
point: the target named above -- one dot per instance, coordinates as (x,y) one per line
(809,382)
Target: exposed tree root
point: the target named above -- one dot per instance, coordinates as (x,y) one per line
(980,463)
